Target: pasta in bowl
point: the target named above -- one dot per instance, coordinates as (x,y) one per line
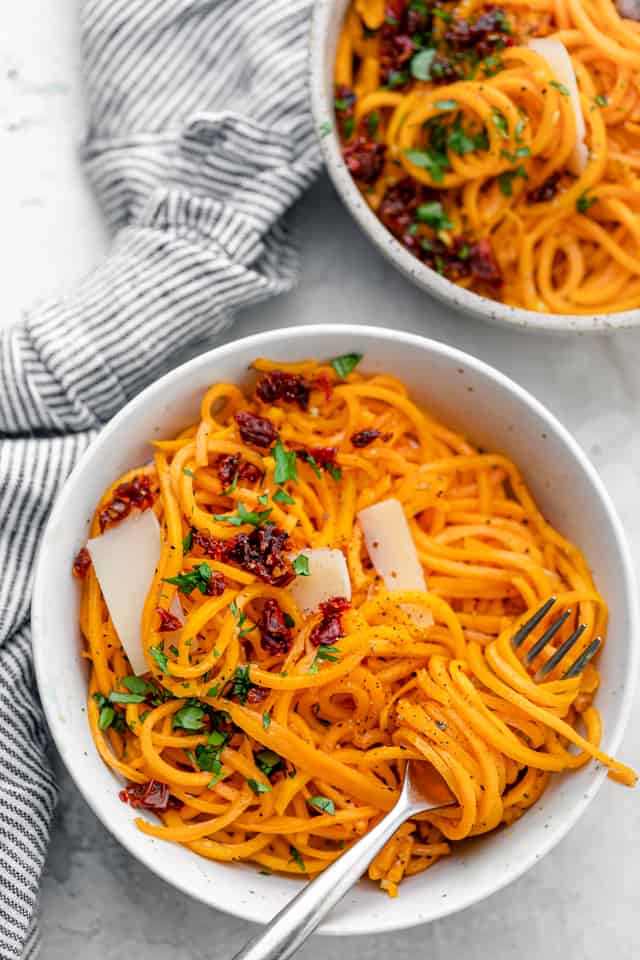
(283,678)
(493,145)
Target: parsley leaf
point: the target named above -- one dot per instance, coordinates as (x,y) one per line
(436,163)
(373,122)
(446,104)
(281,496)
(420,65)
(327,653)
(602,100)
(232,485)
(135,684)
(187,541)
(241,684)
(106,717)
(434,216)
(258,787)
(346,363)
(301,565)
(268,761)
(160,657)
(116,697)
(296,858)
(263,499)
(349,126)
(334,471)
(213,691)
(324,804)
(561,87)
(189,473)
(584,202)
(286,464)
(311,460)
(241,619)
(288,619)
(189,717)
(254,518)
(500,123)
(196,579)
(505,180)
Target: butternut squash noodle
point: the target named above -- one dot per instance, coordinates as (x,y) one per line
(465,140)
(262,734)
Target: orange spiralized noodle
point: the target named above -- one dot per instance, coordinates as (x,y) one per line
(494,148)
(284,756)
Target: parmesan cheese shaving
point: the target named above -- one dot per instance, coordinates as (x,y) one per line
(328,577)
(125,558)
(557,56)
(393,552)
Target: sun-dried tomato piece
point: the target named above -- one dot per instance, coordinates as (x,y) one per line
(132,493)
(396,44)
(81,564)
(546,190)
(280,385)
(364,159)
(250,472)
(153,795)
(329,628)
(168,622)
(262,552)
(255,430)
(216,585)
(275,635)
(230,464)
(323,383)
(487,33)
(257,694)
(397,210)
(364,437)
(323,456)
(483,263)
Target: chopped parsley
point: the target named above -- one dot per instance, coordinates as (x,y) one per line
(197,579)
(188,717)
(373,122)
(420,65)
(324,804)
(268,762)
(116,697)
(258,787)
(334,471)
(346,363)
(254,518)
(561,87)
(266,720)
(442,14)
(311,460)
(349,126)
(213,691)
(296,858)
(241,684)
(584,202)
(434,216)
(301,565)
(281,496)
(505,180)
(263,499)
(500,123)
(286,465)
(436,163)
(160,657)
(514,157)
(341,104)
(232,486)
(189,473)
(187,541)
(602,100)
(288,619)
(446,104)
(135,684)
(241,619)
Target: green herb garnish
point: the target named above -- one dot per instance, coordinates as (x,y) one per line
(420,65)
(301,565)
(324,804)
(296,858)
(346,363)
(258,787)
(196,579)
(160,657)
(281,496)
(254,518)
(266,720)
(286,467)
(434,216)
(189,717)
(561,87)
(187,541)
(268,761)
(584,202)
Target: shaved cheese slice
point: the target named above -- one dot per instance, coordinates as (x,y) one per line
(393,552)
(557,56)
(328,577)
(629,9)
(125,558)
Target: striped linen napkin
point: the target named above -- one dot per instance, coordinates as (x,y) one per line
(200,140)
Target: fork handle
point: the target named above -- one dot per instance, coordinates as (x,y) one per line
(290,928)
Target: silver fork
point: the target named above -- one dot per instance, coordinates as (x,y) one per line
(525,630)
(290,928)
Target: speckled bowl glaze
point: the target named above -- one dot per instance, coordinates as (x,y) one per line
(327,19)
(469,396)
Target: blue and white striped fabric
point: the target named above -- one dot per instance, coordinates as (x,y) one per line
(200,141)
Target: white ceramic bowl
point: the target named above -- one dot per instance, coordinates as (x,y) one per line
(327,20)
(468,395)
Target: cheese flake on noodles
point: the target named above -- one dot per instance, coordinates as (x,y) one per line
(557,56)
(328,578)
(393,552)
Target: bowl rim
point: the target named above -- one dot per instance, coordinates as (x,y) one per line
(259,342)
(424,277)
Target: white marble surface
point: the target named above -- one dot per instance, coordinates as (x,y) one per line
(580,903)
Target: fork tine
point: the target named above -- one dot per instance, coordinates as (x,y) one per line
(546,636)
(583,659)
(560,653)
(526,628)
